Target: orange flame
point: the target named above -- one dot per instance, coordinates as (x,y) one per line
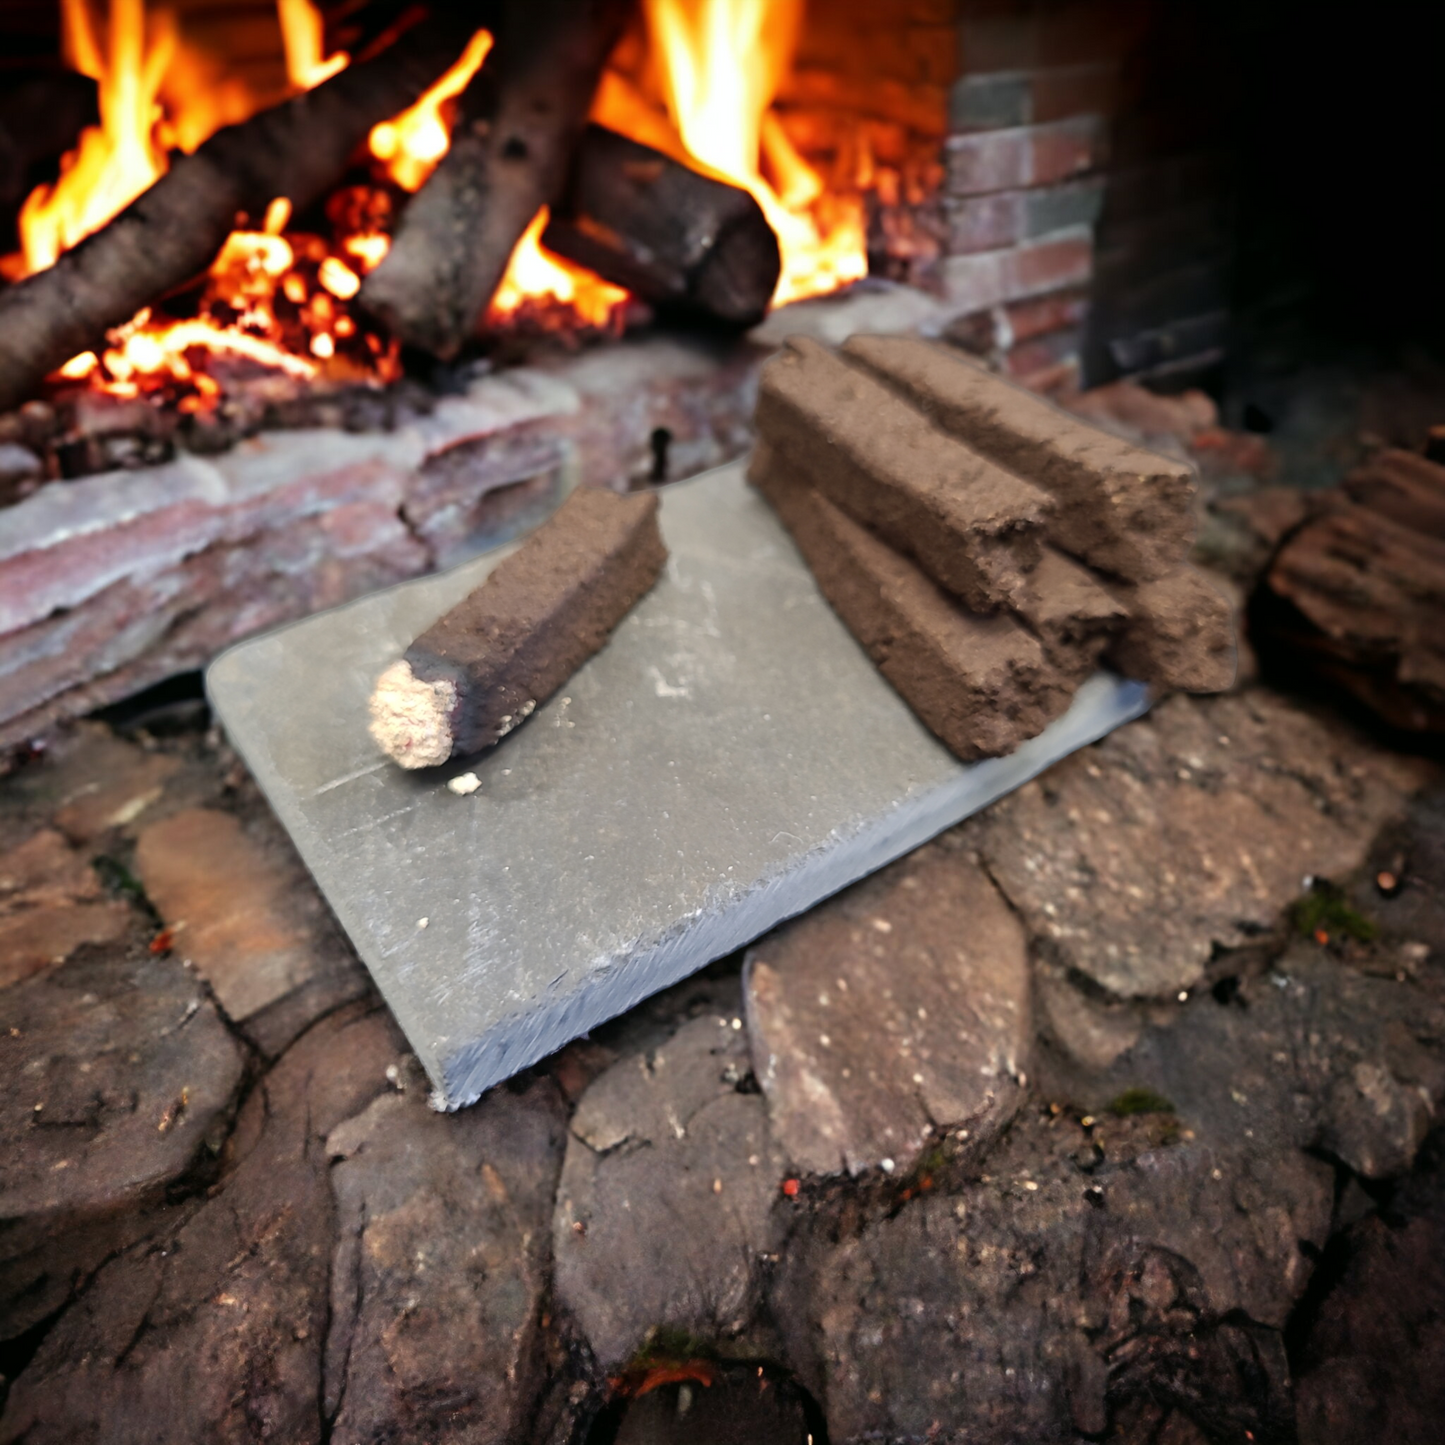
(409,145)
(271,299)
(535,274)
(302,34)
(118,159)
(280,300)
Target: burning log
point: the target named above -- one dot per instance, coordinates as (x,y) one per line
(519,120)
(174,229)
(680,240)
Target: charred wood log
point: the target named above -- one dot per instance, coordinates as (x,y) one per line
(1404,487)
(173,230)
(42,113)
(1358,596)
(519,120)
(680,240)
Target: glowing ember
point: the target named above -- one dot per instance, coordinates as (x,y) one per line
(536,275)
(164,348)
(269,300)
(369,251)
(409,145)
(144,355)
(338,278)
(721,62)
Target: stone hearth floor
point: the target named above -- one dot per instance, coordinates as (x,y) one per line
(1091,1119)
(1109,1115)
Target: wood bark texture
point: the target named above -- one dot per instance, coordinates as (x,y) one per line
(682,241)
(519,121)
(1357,595)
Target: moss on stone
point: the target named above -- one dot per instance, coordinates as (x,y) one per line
(1140,1099)
(1326,910)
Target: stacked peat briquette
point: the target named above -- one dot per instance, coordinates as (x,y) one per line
(987,549)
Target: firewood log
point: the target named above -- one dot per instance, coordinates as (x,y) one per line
(42,114)
(1360,598)
(511,145)
(1408,489)
(682,241)
(172,231)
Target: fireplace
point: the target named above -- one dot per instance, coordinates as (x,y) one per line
(1077,190)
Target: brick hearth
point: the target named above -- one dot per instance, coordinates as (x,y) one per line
(116,581)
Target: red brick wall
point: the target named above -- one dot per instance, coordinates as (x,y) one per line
(1029,120)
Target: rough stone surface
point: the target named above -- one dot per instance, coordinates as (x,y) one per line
(232,1298)
(1410,850)
(115,1074)
(697,391)
(51,902)
(738,1404)
(1371,1366)
(440,1265)
(17,464)
(110,784)
(1090,1031)
(152,626)
(1313,1055)
(892,1012)
(1074,1280)
(72,763)
(664,1206)
(1190,829)
(242,910)
(1195,1204)
(71,540)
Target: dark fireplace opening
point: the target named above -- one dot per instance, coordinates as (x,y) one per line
(1268,208)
